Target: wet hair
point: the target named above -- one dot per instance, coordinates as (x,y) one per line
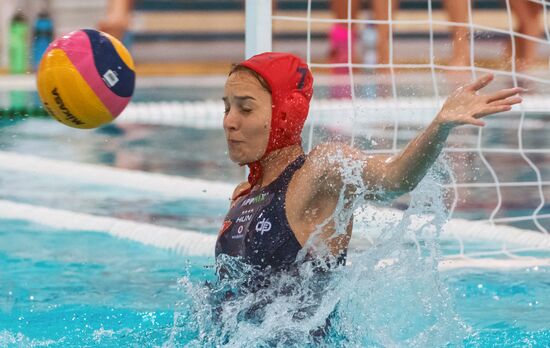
(240,68)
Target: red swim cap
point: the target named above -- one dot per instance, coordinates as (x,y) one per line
(291,85)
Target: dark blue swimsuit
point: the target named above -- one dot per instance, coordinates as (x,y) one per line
(256,231)
(256,228)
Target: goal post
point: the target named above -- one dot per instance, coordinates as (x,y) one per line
(258,27)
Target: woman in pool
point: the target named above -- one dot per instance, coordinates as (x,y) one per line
(297,209)
(291,196)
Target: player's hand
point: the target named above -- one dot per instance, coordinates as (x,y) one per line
(467,106)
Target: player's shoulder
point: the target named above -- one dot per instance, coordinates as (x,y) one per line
(327,154)
(322,163)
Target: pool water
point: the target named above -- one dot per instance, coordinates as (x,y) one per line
(80,289)
(63,288)
(66,288)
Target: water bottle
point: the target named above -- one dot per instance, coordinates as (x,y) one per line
(42,36)
(18,44)
(370,38)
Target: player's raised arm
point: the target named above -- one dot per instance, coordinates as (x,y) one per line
(464,106)
(394,175)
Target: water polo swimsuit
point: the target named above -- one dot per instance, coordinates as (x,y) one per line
(257,232)
(257,229)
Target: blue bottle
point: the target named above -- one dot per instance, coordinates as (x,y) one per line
(42,36)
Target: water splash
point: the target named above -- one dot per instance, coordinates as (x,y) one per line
(10,339)
(389,295)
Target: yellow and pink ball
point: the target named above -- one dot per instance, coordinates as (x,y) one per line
(86,78)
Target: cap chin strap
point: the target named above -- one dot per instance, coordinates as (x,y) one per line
(256,170)
(255,173)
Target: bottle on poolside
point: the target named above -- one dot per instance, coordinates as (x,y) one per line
(42,36)
(18,44)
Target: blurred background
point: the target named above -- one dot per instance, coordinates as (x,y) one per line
(205,36)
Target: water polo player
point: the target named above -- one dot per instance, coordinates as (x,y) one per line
(285,213)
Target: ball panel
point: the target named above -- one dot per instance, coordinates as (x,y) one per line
(118,77)
(122,52)
(78,48)
(66,94)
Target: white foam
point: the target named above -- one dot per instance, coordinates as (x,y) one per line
(450,263)
(203,189)
(492,264)
(345,115)
(457,228)
(192,243)
(159,183)
(185,242)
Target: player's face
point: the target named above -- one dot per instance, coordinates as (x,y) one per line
(247,120)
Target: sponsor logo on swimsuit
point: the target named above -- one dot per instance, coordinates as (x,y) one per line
(244,218)
(254,200)
(263,226)
(239,234)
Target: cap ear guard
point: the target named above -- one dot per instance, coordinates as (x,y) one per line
(293,113)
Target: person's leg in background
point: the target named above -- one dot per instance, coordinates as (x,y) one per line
(339,33)
(118,18)
(457,10)
(527,14)
(381,11)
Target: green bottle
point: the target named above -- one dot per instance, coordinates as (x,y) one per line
(18,44)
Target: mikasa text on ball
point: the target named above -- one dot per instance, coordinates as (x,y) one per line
(86,78)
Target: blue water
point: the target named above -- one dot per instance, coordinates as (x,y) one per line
(84,288)
(66,288)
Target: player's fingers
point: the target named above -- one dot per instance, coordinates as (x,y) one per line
(480,82)
(516,99)
(493,110)
(504,93)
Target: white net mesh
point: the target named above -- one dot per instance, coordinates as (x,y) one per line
(497,175)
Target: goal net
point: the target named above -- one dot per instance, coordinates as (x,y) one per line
(497,177)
